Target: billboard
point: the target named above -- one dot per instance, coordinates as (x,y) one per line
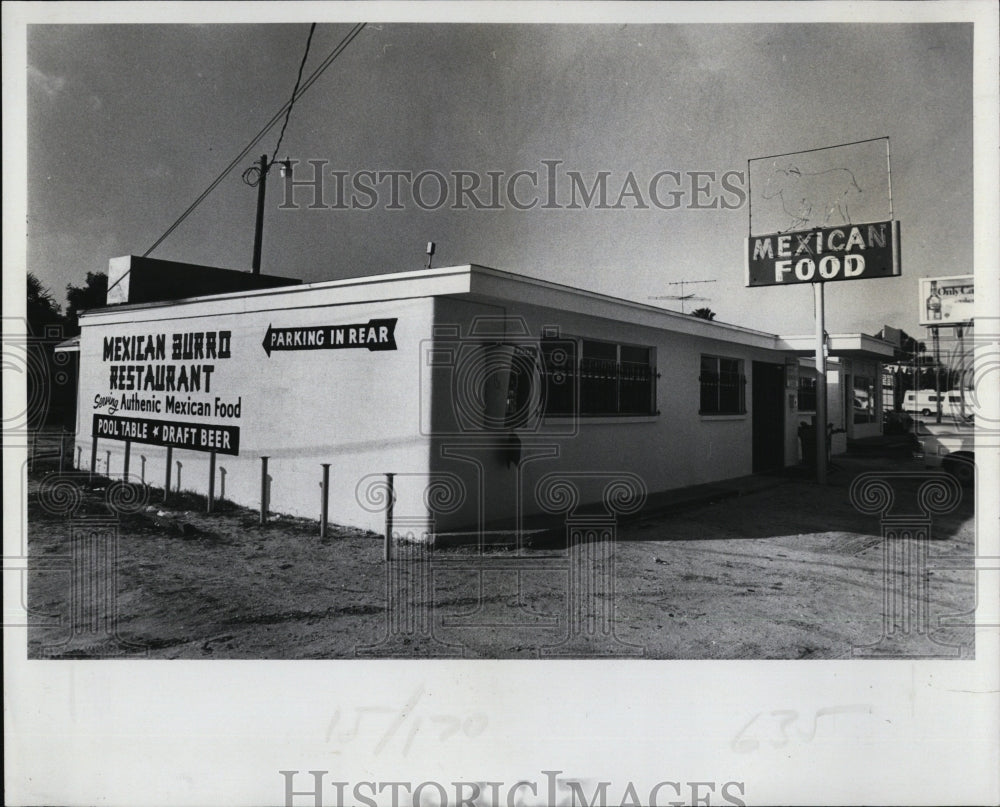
(946,300)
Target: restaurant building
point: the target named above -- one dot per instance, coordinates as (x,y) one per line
(475,388)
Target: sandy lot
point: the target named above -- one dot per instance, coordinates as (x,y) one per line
(793,571)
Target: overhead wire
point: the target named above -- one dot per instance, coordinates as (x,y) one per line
(252,176)
(341,46)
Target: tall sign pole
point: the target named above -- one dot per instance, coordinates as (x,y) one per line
(937,371)
(822,215)
(948,302)
(820,384)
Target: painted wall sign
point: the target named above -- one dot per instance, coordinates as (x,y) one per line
(178,434)
(376,334)
(947,300)
(179,375)
(848,252)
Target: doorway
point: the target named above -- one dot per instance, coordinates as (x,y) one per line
(768,400)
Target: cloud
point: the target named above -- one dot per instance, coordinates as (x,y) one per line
(157,171)
(50,85)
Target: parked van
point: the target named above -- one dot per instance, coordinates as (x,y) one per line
(925,402)
(921,401)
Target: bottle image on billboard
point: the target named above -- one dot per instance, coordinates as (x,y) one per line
(933,303)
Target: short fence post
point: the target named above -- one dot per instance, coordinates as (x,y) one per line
(325,509)
(79,456)
(387,554)
(222,483)
(128,457)
(107,463)
(179,466)
(142,468)
(211,483)
(93,457)
(170,465)
(263,491)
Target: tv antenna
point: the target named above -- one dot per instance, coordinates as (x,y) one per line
(682,296)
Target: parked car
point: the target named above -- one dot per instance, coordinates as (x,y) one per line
(948,446)
(896,422)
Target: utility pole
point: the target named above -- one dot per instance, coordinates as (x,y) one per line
(258,233)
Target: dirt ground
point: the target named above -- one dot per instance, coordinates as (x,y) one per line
(792,571)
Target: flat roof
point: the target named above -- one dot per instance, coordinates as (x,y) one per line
(848,345)
(476,282)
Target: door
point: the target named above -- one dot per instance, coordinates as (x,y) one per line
(768,399)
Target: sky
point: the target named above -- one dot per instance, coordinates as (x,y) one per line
(128,124)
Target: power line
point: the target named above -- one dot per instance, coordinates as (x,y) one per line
(267,127)
(295,92)
(254,175)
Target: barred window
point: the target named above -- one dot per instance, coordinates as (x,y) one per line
(722,386)
(560,377)
(586,377)
(616,379)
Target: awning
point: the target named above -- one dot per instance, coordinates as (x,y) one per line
(846,345)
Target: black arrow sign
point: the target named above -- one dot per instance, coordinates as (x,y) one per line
(376,334)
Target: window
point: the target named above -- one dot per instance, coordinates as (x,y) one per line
(807,392)
(722,386)
(559,371)
(616,379)
(864,399)
(585,376)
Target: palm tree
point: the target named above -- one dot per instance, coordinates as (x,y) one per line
(703,313)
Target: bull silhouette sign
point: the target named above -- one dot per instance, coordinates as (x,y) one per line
(814,200)
(822,215)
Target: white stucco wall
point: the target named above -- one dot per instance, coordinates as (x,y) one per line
(353,408)
(676,448)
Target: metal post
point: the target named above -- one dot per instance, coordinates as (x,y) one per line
(79,456)
(820,385)
(166,481)
(222,483)
(107,463)
(387,554)
(961,372)
(93,456)
(258,233)
(325,508)
(263,491)
(211,483)
(142,468)
(128,458)
(179,466)
(937,370)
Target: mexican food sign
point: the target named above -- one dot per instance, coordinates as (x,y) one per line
(851,252)
(821,215)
